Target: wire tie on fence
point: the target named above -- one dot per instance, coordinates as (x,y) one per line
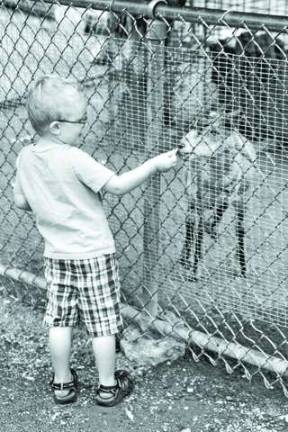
(151,7)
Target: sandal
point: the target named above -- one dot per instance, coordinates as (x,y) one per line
(116,393)
(71,386)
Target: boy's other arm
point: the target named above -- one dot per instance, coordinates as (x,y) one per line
(123,183)
(19,197)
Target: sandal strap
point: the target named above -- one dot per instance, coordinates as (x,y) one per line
(117,392)
(123,381)
(108,389)
(65,386)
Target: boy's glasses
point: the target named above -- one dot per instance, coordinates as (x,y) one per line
(83,120)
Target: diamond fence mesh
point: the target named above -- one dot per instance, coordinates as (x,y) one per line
(264,6)
(203,249)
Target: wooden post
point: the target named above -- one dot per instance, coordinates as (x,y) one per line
(155,36)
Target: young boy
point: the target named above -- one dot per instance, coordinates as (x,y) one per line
(61,185)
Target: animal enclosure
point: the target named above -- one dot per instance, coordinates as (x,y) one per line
(260,6)
(155,88)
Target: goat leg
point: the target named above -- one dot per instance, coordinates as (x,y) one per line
(198,245)
(188,242)
(240,235)
(218,212)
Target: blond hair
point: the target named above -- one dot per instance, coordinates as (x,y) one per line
(51,98)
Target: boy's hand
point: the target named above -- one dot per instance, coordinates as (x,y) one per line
(166,161)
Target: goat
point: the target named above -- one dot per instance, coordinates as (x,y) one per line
(219,174)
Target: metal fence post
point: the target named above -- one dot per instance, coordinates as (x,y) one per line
(156,35)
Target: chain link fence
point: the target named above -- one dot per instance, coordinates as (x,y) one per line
(203,249)
(279,7)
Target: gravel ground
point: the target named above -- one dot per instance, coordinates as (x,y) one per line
(179,396)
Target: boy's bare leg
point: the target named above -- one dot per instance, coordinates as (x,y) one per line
(60,349)
(104,352)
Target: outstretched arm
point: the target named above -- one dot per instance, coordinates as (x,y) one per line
(123,183)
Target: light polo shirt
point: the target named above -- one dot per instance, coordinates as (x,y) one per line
(62,185)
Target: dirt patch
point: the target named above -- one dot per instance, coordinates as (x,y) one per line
(175,396)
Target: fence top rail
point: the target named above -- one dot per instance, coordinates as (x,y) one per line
(192,14)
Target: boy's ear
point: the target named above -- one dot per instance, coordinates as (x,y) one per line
(54,127)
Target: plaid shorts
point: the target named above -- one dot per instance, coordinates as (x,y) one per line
(86,290)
